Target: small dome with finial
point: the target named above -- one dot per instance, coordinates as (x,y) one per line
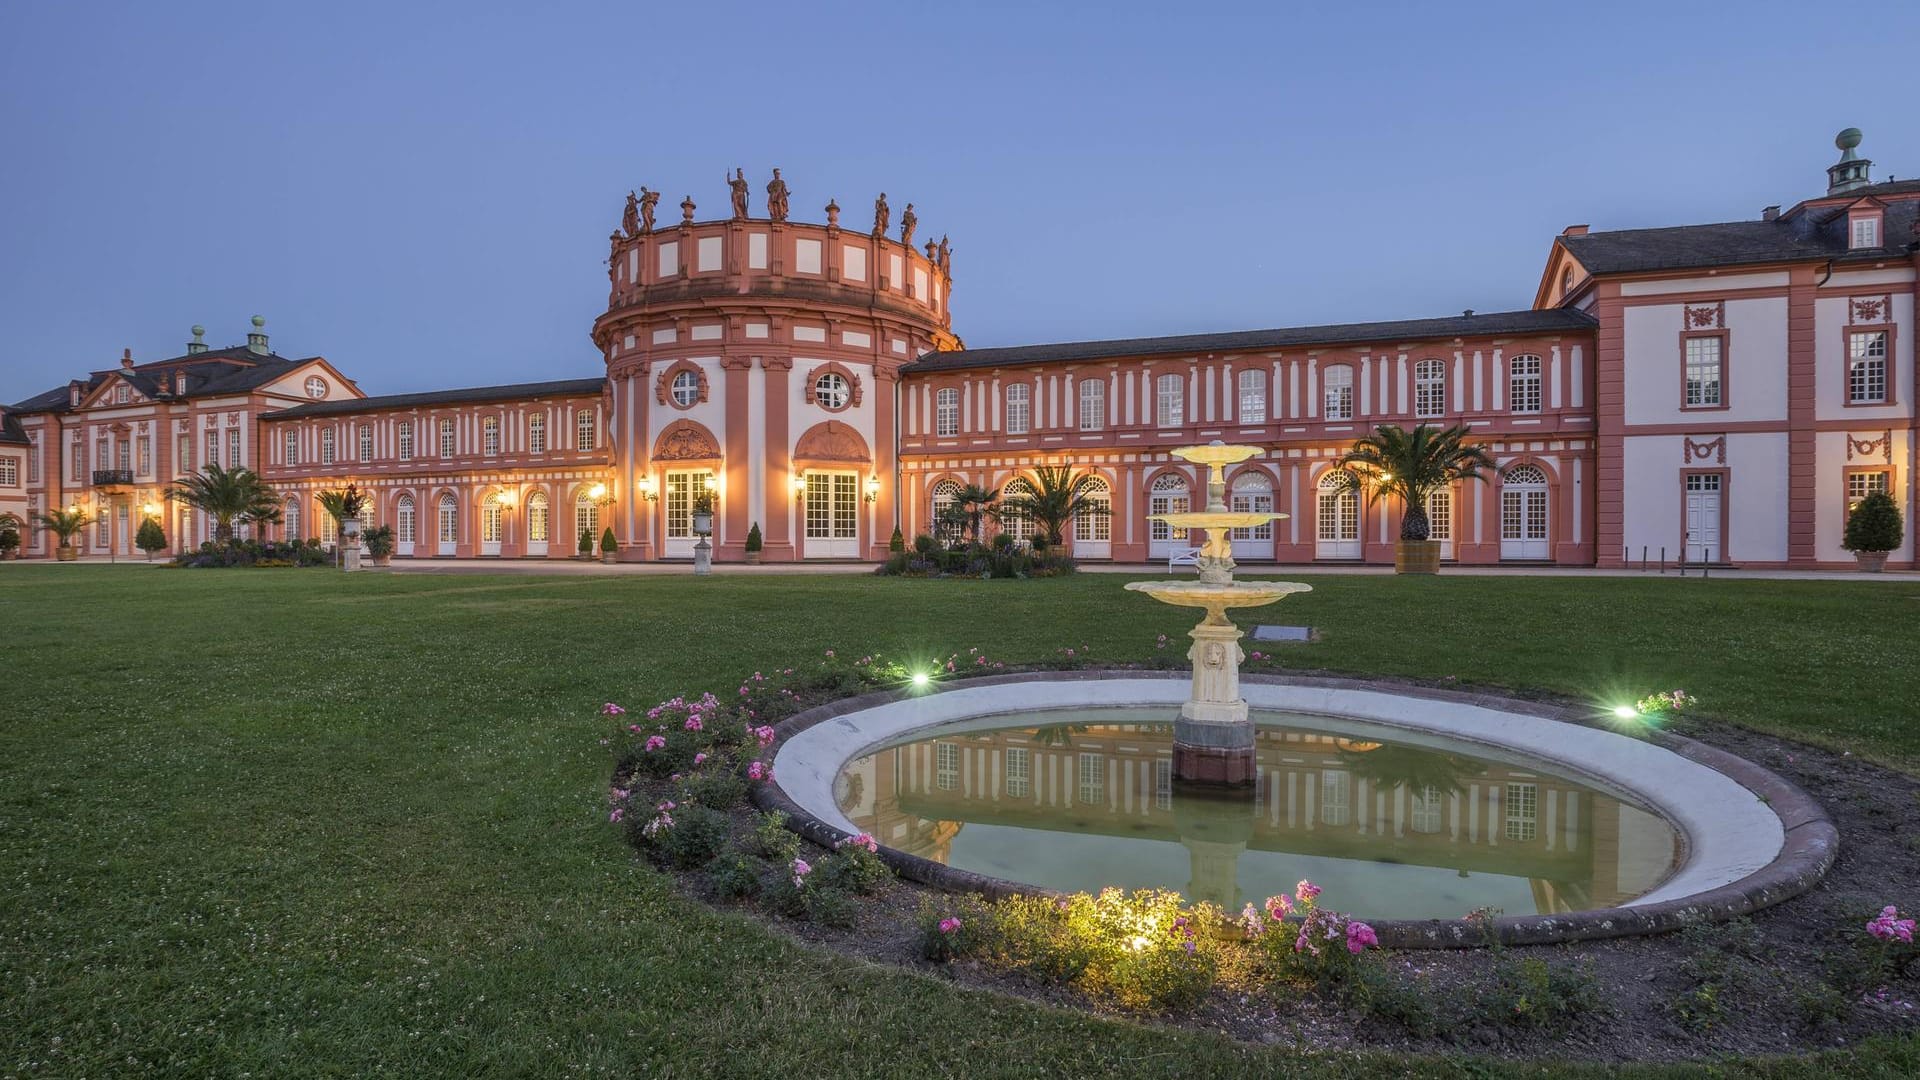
(198,330)
(1847,139)
(259,321)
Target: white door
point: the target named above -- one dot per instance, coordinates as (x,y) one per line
(1253,494)
(491,522)
(1169,496)
(679,500)
(539,523)
(1703,518)
(1093,532)
(1337,520)
(403,530)
(1440,519)
(833,515)
(449,524)
(1524,532)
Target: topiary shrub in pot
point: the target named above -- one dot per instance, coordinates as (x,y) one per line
(754,543)
(149,538)
(9,542)
(608,546)
(586,544)
(1873,529)
(898,543)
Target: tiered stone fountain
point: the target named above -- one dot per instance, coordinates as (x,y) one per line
(1213,737)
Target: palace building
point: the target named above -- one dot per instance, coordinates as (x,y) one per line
(808,377)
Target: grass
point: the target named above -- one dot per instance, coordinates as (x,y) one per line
(290,822)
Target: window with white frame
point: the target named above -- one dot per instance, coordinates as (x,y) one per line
(125,455)
(1705,387)
(1866,232)
(446,438)
(1440,514)
(586,517)
(33,460)
(1095,524)
(1168,495)
(1338,387)
(1523,811)
(537,518)
(292,447)
(1019,772)
(946,766)
(143,446)
(1430,388)
(1253,396)
(291,518)
(122,394)
(583,429)
(946,411)
(1253,494)
(1864,482)
(1093,405)
(832,391)
(233,448)
(1523,384)
(1424,810)
(1163,784)
(76,466)
(685,390)
(366,443)
(944,494)
(1019,408)
(406,440)
(1170,405)
(1093,779)
(326,446)
(490,435)
(1336,797)
(329,528)
(9,472)
(1867,367)
(537,433)
(1339,516)
(1013,520)
(449,519)
(405,526)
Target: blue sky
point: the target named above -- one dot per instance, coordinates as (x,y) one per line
(422,193)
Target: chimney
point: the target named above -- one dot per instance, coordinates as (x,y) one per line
(126,359)
(1574,230)
(199,342)
(1769,213)
(1467,314)
(257,337)
(1852,171)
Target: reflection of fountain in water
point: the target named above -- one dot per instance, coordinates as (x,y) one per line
(1213,739)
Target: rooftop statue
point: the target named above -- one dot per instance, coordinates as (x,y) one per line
(881,215)
(777,197)
(630,218)
(739,185)
(908,220)
(946,256)
(648,200)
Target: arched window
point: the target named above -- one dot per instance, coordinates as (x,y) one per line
(944,494)
(1095,526)
(537,433)
(1524,531)
(1337,524)
(1093,405)
(490,519)
(449,520)
(1430,387)
(832,391)
(329,529)
(404,528)
(946,411)
(1338,385)
(1012,522)
(1168,495)
(686,388)
(490,435)
(1170,405)
(1253,494)
(1019,408)
(293,519)
(537,518)
(586,517)
(1253,396)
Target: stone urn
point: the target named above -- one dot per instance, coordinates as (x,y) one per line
(703,522)
(1416,557)
(1871,562)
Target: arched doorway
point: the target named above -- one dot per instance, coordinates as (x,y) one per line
(1012,522)
(829,457)
(1337,523)
(449,524)
(689,456)
(539,523)
(586,523)
(1524,531)
(1169,494)
(1093,530)
(492,517)
(1253,494)
(404,526)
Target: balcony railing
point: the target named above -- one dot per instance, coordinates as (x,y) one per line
(109,477)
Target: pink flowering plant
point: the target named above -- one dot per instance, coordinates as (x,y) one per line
(1890,951)
(1298,940)
(1667,702)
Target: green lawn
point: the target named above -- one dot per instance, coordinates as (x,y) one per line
(290,822)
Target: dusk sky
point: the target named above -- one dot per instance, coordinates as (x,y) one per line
(423,193)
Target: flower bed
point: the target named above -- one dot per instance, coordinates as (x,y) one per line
(254,553)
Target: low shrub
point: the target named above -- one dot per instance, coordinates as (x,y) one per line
(829,905)
(955,927)
(925,545)
(734,875)
(898,542)
(1532,993)
(1300,942)
(854,866)
(253,553)
(684,836)
(771,839)
(716,782)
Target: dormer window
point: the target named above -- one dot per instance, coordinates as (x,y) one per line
(1864,231)
(122,394)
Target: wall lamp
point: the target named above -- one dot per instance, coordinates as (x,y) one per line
(799,486)
(873,488)
(642,487)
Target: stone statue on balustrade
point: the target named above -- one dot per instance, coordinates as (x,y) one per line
(739,185)
(946,256)
(648,200)
(777,197)
(630,218)
(882,216)
(908,222)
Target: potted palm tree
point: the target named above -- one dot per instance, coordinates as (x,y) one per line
(1408,466)
(1873,529)
(1056,496)
(66,523)
(380,544)
(225,495)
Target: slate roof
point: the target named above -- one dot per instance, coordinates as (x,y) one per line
(470,395)
(1552,320)
(234,370)
(11,432)
(1816,233)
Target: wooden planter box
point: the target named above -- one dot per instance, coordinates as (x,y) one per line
(66,554)
(1416,557)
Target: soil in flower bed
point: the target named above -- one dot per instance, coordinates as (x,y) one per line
(1782,981)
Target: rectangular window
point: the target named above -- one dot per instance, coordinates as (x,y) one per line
(1523,811)
(1093,779)
(1523,384)
(1867,367)
(1430,388)
(406,440)
(1019,772)
(233,448)
(326,446)
(1019,400)
(490,436)
(537,433)
(1163,784)
(125,456)
(1253,397)
(1170,406)
(446,438)
(145,457)
(1336,789)
(1339,393)
(946,414)
(1093,405)
(9,472)
(1866,232)
(292,447)
(1865,482)
(1440,514)
(583,430)
(1704,379)
(366,442)
(78,465)
(183,456)
(33,461)
(946,766)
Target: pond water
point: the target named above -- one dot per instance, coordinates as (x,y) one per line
(1391,823)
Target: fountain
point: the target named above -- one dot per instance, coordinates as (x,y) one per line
(1213,738)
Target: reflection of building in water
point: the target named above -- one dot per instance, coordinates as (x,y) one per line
(1315,794)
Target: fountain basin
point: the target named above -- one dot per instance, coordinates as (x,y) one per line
(1188,592)
(1741,838)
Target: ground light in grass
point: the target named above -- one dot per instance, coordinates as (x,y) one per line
(921,680)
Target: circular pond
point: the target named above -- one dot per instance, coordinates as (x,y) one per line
(1405,806)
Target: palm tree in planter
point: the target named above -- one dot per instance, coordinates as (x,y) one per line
(960,521)
(1873,529)
(66,523)
(1054,498)
(1409,466)
(263,515)
(224,495)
